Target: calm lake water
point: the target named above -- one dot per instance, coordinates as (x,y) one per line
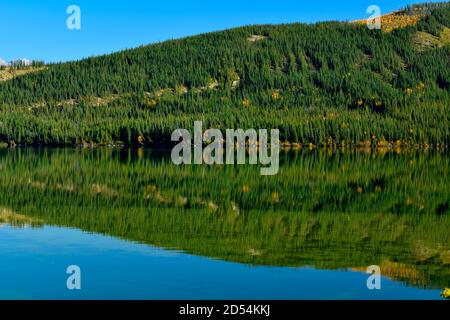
(140,227)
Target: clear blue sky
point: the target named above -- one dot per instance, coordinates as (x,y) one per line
(37,29)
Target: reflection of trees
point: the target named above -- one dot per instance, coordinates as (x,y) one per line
(341,210)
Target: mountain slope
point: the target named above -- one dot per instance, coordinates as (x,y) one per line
(8,73)
(325,83)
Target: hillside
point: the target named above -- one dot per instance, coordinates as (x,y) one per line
(408,16)
(8,73)
(396,20)
(325,83)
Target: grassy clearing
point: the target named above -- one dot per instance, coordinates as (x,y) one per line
(9,73)
(424,40)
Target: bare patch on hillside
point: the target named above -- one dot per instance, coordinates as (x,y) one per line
(11,73)
(92,101)
(423,40)
(256,38)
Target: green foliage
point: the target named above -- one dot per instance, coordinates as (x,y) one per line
(335,80)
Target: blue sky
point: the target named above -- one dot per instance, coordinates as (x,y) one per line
(37,29)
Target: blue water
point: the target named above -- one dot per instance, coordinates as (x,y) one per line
(33,263)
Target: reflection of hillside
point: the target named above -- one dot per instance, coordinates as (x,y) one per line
(8,216)
(320,210)
(397,271)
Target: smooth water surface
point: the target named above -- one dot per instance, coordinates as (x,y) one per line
(141,228)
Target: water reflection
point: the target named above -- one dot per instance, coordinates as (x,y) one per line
(338,210)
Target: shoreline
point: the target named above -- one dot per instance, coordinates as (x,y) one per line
(294,146)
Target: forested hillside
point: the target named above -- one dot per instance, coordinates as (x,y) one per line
(325,83)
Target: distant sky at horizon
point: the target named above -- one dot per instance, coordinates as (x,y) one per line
(37,29)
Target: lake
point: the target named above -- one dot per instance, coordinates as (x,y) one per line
(139,227)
